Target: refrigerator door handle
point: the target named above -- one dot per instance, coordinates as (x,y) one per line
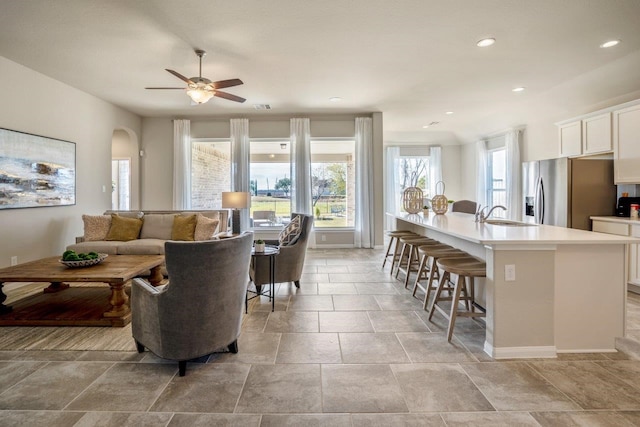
(541,200)
(537,202)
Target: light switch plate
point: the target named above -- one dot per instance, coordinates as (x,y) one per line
(510,273)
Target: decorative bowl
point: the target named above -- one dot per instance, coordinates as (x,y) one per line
(84,262)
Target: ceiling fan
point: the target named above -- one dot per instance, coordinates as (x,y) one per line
(201,89)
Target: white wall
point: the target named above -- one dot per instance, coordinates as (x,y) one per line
(46,107)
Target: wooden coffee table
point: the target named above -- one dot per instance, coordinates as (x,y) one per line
(62,305)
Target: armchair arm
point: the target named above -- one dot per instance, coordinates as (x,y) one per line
(148,287)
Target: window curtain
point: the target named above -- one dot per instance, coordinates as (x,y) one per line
(300,166)
(392,186)
(512,175)
(364,230)
(481,173)
(435,169)
(181,164)
(240,162)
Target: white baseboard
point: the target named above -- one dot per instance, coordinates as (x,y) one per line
(331,246)
(589,350)
(529,352)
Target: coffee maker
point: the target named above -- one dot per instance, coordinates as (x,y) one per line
(623,208)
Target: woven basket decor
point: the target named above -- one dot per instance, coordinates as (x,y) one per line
(440,203)
(412,200)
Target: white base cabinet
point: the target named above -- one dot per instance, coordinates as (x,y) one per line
(633,260)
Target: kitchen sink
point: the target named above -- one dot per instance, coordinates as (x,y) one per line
(507,223)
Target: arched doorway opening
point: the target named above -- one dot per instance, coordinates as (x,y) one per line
(125,170)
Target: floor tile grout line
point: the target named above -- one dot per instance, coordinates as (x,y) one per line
(113,364)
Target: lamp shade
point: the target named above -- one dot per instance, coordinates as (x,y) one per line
(236,200)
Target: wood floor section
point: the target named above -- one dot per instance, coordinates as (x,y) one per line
(75,306)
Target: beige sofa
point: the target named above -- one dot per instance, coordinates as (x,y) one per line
(159,224)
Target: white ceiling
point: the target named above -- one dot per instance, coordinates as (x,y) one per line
(413,60)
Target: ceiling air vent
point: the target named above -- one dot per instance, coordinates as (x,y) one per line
(262,106)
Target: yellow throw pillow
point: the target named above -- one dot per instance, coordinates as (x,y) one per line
(184,227)
(123,228)
(205,228)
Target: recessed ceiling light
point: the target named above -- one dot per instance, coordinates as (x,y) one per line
(449,113)
(610,43)
(335,99)
(518,89)
(425,126)
(485,42)
(271,156)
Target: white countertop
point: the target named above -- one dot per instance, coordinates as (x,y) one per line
(619,219)
(464,227)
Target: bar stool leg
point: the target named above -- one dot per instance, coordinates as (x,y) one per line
(443,279)
(422,268)
(386,255)
(454,304)
(400,259)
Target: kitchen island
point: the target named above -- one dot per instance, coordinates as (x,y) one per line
(569,292)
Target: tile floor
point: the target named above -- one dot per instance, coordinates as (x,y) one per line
(351,347)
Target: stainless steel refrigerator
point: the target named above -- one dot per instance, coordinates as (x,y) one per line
(566,192)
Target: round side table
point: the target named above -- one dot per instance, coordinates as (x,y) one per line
(271,252)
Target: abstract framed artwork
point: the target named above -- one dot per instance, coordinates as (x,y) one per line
(36,171)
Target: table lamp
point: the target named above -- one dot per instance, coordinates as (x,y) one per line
(236,200)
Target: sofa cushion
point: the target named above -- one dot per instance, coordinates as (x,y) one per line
(142,247)
(184,227)
(124,229)
(206,228)
(157,226)
(291,232)
(103,247)
(96,227)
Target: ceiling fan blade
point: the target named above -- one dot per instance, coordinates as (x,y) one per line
(221,84)
(228,96)
(180,76)
(181,88)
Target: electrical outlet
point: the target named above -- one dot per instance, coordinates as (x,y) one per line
(323,237)
(14,260)
(510,273)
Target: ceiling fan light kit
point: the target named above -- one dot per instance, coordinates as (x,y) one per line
(200,89)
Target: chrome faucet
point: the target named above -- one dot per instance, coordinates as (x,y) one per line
(483,217)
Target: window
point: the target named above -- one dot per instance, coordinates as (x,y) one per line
(270,183)
(210,172)
(120,184)
(412,171)
(496,187)
(333,183)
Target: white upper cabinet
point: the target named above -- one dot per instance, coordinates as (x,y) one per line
(626,142)
(570,135)
(596,134)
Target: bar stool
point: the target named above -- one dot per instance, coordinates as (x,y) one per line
(466,269)
(428,269)
(394,241)
(408,260)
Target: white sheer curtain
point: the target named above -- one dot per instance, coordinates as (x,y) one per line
(181,164)
(435,169)
(364,230)
(392,186)
(240,162)
(300,166)
(481,174)
(512,178)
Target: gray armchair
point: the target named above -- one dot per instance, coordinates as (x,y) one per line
(288,263)
(200,310)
